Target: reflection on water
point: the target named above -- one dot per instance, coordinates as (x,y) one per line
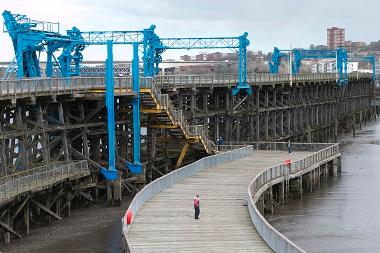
(343,216)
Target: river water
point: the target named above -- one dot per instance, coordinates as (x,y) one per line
(344,215)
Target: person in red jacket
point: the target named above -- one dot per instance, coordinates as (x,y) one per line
(196,207)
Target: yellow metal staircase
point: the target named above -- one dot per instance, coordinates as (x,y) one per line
(165,113)
(152,101)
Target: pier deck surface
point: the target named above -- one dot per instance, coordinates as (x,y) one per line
(166,222)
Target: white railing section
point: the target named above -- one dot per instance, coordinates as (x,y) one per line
(37,178)
(19,88)
(276,174)
(295,146)
(170,179)
(221,80)
(275,240)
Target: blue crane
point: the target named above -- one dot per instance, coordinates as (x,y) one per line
(369,58)
(339,54)
(241,43)
(145,38)
(29,41)
(31,37)
(141,39)
(153,46)
(275,61)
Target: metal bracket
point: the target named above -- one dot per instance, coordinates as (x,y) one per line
(247,89)
(135,168)
(110,174)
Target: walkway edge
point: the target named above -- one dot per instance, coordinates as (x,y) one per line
(173,177)
(275,240)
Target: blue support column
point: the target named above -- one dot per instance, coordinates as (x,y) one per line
(341,58)
(136,167)
(374,70)
(242,85)
(49,64)
(110,173)
(19,55)
(146,56)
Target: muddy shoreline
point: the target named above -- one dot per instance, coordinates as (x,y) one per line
(95,229)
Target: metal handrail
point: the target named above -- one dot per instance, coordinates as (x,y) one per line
(277,241)
(171,81)
(269,234)
(24,173)
(37,178)
(178,118)
(19,88)
(173,177)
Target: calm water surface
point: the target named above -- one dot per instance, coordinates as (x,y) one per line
(344,215)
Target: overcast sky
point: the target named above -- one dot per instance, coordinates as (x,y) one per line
(269,23)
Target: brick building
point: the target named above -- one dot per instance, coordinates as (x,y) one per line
(335,37)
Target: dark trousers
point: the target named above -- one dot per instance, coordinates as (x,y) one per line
(197,211)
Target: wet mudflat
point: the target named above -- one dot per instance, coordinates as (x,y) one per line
(94,229)
(344,215)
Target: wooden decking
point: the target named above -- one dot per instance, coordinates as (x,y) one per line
(166,222)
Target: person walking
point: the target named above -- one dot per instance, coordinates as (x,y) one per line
(289,148)
(196,207)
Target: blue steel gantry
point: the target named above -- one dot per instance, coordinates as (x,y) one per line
(339,54)
(275,61)
(240,42)
(369,58)
(30,38)
(145,39)
(110,173)
(154,46)
(299,55)
(135,167)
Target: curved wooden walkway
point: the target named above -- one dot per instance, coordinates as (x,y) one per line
(166,222)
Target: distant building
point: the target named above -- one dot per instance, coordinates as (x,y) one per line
(320,47)
(200,57)
(185,57)
(210,57)
(357,43)
(335,37)
(218,56)
(323,67)
(352,67)
(330,67)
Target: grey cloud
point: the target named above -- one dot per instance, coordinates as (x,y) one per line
(268,22)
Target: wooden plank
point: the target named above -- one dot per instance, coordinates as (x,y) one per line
(10,229)
(20,208)
(85,195)
(55,198)
(182,155)
(166,223)
(44,208)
